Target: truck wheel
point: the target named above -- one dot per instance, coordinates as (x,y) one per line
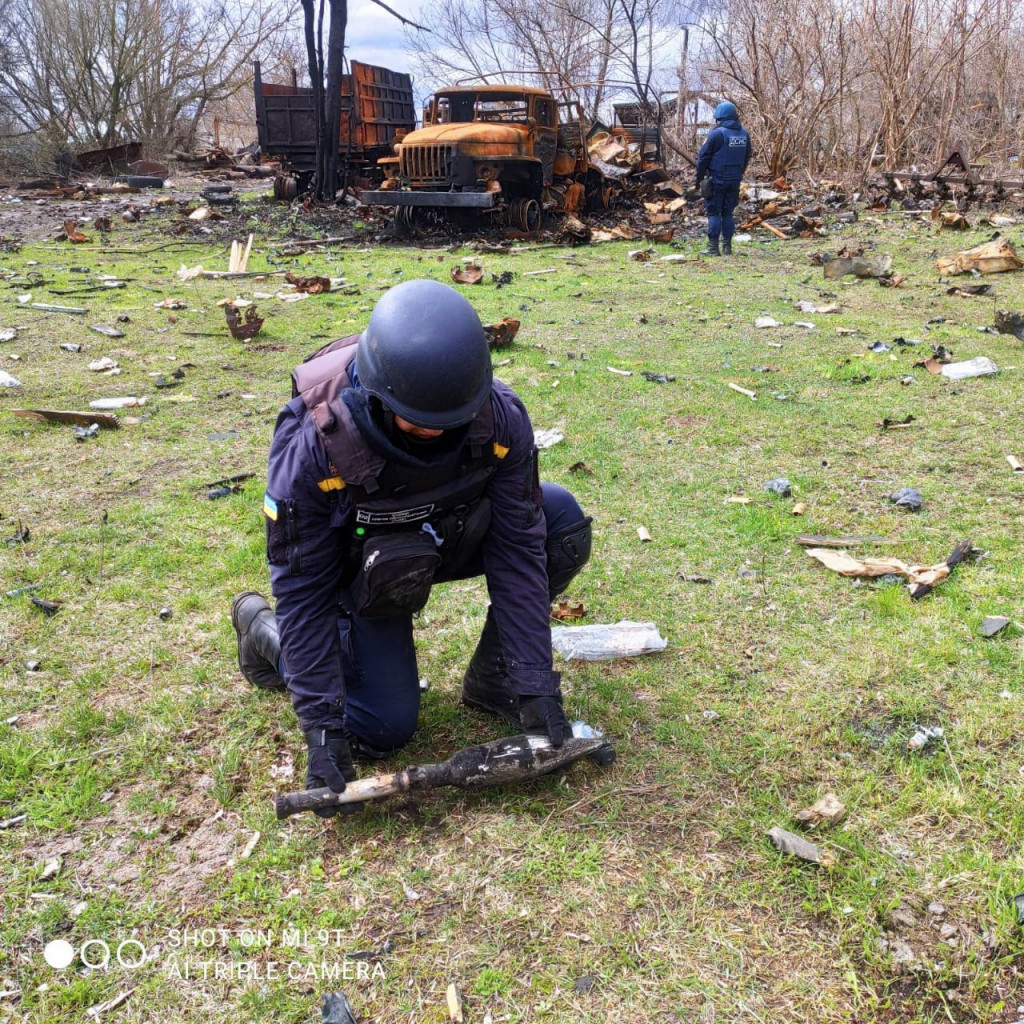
(285,188)
(405,217)
(524,214)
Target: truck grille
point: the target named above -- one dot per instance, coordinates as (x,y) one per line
(426,163)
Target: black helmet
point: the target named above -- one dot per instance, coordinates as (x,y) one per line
(425,356)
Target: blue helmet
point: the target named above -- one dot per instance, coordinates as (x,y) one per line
(725,111)
(425,356)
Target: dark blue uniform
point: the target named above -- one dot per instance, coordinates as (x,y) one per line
(724,156)
(345,670)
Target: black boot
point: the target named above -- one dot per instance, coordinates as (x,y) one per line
(712,249)
(259,647)
(484,686)
(726,246)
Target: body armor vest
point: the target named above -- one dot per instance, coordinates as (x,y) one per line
(387,495)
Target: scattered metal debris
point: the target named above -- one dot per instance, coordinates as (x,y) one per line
(829,810)
(471,273)
(779,486)
(995,257)
(797,846)
(921,579)
(502,334)
(859,266)
(243,329)
(908,498)
(312,284)
(107,421)
(993,624)
(48,608)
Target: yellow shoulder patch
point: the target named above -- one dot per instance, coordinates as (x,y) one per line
(269,507)
(332,483)
(500,450)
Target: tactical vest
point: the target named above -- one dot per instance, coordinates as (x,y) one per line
(387,495)
(730,158)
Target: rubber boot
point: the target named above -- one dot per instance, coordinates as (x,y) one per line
(259,646)
(726,246)
(484,686)
(712,249)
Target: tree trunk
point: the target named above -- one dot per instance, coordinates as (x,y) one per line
(316,80)
(332,108)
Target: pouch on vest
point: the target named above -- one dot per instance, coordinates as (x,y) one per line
(707,188)
(465,536)
(395,575)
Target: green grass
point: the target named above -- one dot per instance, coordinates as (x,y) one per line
(645,892)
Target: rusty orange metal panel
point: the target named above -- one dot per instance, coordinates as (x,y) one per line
(382,106)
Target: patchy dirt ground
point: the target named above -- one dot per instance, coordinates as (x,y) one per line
(38,214)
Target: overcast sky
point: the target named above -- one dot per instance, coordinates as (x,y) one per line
(374,37)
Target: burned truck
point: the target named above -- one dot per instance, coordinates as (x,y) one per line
(377,109)
(509,152)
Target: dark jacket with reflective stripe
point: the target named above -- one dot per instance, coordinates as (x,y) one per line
(725,153)
(312,535)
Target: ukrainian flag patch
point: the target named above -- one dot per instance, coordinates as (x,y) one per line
(269,507)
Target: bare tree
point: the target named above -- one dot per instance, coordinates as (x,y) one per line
(326,77)
(103,71)
(583,49)
(787,65)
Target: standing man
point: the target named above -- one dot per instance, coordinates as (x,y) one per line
(399,463)
(724,156)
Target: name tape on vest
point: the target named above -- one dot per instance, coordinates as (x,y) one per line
(737,140)
(402,515)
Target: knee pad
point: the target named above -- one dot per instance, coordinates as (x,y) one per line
(568,551)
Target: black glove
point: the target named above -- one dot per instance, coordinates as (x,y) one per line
(330,764)
(545,714)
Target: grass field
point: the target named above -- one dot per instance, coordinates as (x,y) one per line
(648,892)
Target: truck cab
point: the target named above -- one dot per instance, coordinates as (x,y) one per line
(488,147)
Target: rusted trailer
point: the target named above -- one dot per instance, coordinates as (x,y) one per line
(377,109)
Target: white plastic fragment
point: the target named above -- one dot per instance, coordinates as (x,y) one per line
(980,366)
(117,403)
(547,438)
(922,737)
(603,642)
(7,381)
